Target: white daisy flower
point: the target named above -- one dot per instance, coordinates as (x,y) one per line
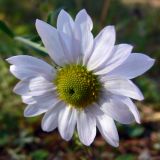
(89,88)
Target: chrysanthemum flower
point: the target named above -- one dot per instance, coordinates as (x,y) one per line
(89,88)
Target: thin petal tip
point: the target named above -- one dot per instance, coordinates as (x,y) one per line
(152,61)
(9,60)
(83,11)
(37,24)
(87,144)
(111,27)
(26,114)
(44,127)
(141,98)
(15,90)
(37,21)
(62,11)
(116,144)
(138,121)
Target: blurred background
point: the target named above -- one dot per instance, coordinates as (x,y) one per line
(137,22)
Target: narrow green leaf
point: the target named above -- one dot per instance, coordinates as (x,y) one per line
(6,29)
(31,44)
(40,154)
(136,131)
(126,157)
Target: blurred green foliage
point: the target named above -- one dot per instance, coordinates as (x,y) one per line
(40,155)
(150,89)
(20,138)
(126,157)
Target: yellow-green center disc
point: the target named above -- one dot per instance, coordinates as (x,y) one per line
(77,86)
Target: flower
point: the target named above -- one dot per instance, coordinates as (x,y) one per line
(90,86)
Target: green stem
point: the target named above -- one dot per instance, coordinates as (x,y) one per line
(31,44)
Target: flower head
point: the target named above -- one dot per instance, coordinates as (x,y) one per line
(89,88)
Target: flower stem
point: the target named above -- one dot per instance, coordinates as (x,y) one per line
(33,45)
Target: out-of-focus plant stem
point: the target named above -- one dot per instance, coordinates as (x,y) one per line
(104,12)
(5,29)
(31,44)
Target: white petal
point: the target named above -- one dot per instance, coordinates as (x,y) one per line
(119,54)
(86,126)
(66,122)
(87,46)
(87,41)
(122,86)
(65,23)
(28,100)
(132,108)
(39,107)
(68,32)
(33,110)
(34,86)
(65,26)
(94,109)
(47,99)
(39,86)
(22,73)
(108,129)
(50,119)
(105,125)
(116,109)
(67,44)
(32,64)
(135,65)
(103,45)
(83,17)
(22,87)
(83,26)
(51,40)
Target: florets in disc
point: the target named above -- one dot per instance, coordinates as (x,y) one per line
(77,86)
